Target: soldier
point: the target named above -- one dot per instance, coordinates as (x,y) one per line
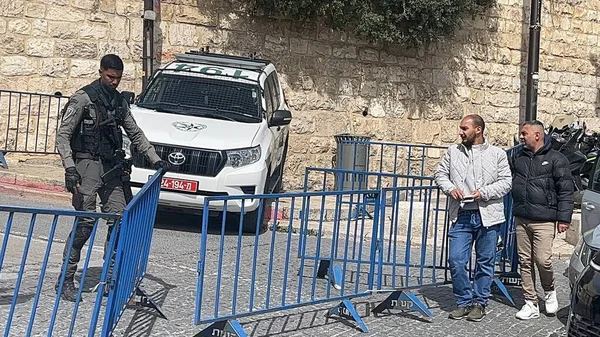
(90,143)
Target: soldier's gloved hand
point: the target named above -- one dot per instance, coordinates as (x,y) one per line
(165,165)
(72,180)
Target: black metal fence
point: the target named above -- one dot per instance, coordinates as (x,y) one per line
(28,121)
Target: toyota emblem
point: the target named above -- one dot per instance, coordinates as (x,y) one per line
(176,158)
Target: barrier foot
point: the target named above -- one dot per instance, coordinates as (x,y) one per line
(334,274)
(147,301)
(3,162)
(346,309)
(403,300)
(229,328)
(512,279)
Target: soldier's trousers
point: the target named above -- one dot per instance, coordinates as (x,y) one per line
(112,200)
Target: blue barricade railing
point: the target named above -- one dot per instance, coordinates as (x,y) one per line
(340,256)
(30,269)
(387,157)
(31,260)
(272,277)
(133,250)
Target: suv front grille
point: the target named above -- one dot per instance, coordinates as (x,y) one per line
(197,162)
(583,327)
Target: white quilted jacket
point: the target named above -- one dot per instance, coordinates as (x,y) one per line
(493,179)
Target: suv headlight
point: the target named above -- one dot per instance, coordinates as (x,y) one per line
(126,146)
(243,157)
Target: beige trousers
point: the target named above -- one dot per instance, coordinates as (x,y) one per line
(534,246)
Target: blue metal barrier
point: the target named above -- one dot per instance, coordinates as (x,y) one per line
(133,249)
(39,284)
(413,241)
(396,158)
(31,274)
(271,278)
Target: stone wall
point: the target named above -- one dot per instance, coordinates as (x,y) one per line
(334,82)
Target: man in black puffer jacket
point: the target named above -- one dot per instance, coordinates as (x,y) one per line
(543,204)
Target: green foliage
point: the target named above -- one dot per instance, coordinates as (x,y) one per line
(411,23)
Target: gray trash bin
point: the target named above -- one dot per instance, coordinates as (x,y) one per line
(351,156)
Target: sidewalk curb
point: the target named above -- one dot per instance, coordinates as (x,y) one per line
(11,178)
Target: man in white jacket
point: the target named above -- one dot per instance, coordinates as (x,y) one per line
(476,176)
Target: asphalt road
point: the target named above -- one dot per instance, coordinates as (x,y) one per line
(172,277)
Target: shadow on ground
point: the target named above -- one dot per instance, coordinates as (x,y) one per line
(145,317)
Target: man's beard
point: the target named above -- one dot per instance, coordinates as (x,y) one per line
(468,142)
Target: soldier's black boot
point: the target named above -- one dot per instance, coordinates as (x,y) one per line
(69,291)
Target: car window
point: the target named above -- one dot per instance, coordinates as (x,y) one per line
(204,93)
(595,186)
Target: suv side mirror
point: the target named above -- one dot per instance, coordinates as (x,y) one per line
(281,118)
(128,96)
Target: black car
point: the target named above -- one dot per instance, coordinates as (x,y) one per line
(584,315)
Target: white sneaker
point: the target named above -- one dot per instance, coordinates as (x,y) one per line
(551,302)
(528,311)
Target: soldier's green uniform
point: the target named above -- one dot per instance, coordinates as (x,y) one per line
(89,139)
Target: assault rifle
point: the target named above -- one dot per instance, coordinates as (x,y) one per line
(122,171)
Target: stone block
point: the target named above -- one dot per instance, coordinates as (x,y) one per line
(85,4)
(40,47)
(347,52)
(17,66)
(109,6)
(118,48)
(193,15)
(35,10)
(369,54)
(62,30)
(95,31)
(39,28)
(12,8)
(298,46)
(12,44)
(61,14)
(424,132)
(19,26)
(84,68)
(78,49)
(127,8)
(319,49)
(183,35)
(55,67)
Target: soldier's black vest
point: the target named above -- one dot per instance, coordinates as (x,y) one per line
(99,138)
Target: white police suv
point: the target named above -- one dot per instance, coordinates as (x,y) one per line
(222,122)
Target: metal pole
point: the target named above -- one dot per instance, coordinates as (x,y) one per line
(533,60)
(148,42)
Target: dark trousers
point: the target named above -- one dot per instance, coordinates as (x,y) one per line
(112,200)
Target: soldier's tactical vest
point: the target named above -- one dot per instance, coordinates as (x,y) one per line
(99,138)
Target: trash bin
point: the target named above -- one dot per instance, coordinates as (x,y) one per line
(351,156)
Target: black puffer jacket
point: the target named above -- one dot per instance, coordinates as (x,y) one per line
(542,185)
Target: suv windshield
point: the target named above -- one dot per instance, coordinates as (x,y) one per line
(202,96)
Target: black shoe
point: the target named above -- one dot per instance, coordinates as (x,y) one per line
(477,313)
(460,312)
(69,291)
